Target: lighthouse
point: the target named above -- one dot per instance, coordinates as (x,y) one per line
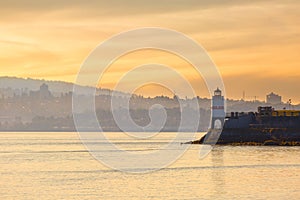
(218,111)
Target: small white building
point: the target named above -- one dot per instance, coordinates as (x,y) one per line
(218,110)
(273,98)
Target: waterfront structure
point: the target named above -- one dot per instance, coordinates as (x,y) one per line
(218,110)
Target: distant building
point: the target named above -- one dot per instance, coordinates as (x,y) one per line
(43,93)
(274,98)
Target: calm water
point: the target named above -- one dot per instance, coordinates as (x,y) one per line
(57,166)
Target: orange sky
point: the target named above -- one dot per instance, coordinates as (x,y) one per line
(255,44)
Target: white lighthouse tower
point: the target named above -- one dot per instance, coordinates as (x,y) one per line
(218,111)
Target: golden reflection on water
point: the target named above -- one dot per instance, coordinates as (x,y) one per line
(57,166)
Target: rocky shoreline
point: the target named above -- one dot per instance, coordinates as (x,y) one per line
(219,138)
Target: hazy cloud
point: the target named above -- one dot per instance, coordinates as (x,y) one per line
(243,37)
(120,7)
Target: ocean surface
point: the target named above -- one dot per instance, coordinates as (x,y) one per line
(57,166)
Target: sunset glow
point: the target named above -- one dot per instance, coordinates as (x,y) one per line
(255,46)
